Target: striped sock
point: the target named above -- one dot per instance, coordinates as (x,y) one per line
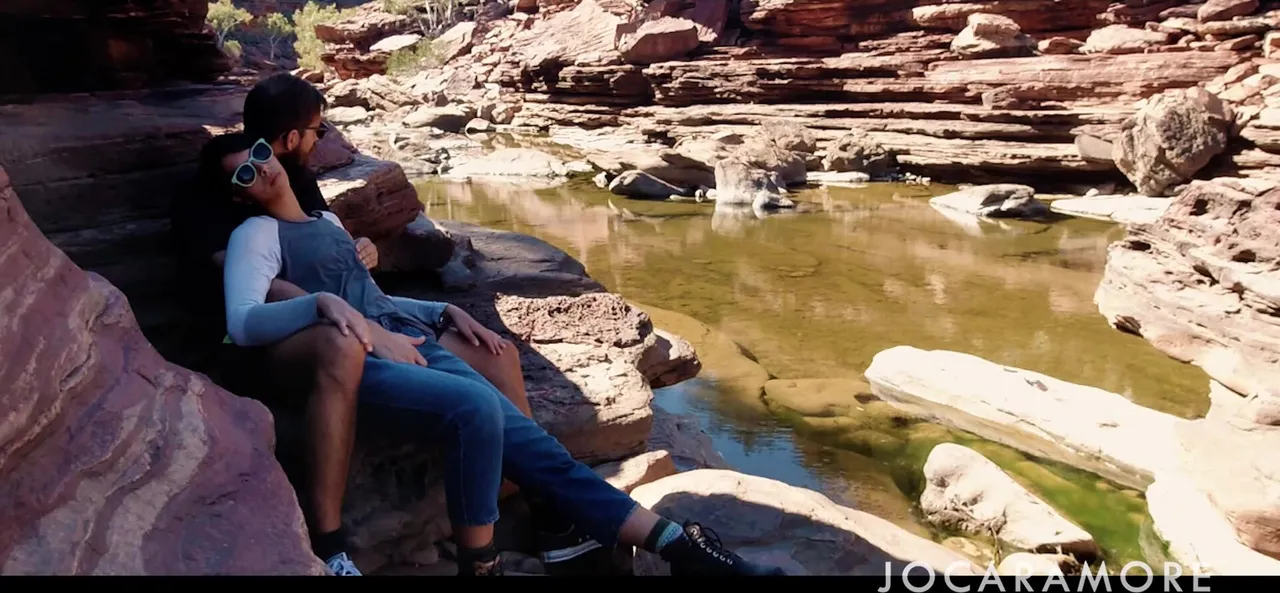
(663,534)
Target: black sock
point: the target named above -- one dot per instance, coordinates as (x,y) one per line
(663,534)
(328,545)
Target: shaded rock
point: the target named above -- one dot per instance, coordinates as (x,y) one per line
(681,436)
(457,41)
(658,40)
(643,186)
(628,474)
(858,152)
(1171,138)
(449,119)
(670,361)
(739,183)
(1201,284)
(373,197)
(1121,39)
(70,47)
(991,36)
(709,16)
(1003,200)
(116,461)
(799,530)
(1081,426)
(1059,45)
(786,165)
(1222,10)
(966,491)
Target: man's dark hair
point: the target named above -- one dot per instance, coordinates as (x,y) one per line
(280,103)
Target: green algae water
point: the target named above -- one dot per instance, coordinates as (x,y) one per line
(787,310)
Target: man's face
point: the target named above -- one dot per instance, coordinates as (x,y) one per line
(299,144)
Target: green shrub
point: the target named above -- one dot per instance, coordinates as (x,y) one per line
(401,6)
(411,60)
(308,46)
(232,48)
(278,27)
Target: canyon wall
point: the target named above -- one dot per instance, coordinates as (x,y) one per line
(71,46)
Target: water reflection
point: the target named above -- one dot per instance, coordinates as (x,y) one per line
(817,292)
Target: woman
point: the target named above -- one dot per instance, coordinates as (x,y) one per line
(435,396)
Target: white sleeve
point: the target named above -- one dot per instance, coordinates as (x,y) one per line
(253,261)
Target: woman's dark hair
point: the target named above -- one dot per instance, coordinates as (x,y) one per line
(215,182)
(280,103)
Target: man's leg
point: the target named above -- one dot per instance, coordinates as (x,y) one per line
(426,404)
(325,366)
(538,463)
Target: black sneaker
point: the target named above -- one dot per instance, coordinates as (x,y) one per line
(700,553)
(571,552)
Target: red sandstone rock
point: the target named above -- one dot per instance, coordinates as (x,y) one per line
(68,46)
(1221,10)
(659,40)
(112,460)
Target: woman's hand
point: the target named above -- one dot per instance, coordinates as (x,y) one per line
(474,332)
(395,347)
(333,309)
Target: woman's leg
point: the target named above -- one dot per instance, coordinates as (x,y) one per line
(429,404)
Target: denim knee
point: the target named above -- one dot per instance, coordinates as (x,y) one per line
(478,415)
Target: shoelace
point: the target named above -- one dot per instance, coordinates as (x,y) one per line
(343,567)
(709,541)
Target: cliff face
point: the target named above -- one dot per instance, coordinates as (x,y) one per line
(67,46)
(112,460)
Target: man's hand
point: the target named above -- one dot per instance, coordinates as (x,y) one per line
(395,347)
(474,332)
(368,252)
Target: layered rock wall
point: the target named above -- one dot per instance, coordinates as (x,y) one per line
(1042,100)
(112,460)
(70,46)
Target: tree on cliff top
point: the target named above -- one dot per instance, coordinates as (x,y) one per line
(224,18)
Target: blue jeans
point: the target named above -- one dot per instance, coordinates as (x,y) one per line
(485,437)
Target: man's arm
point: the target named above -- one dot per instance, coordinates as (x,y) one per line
(280,290)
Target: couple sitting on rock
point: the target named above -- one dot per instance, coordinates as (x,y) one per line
(298,291)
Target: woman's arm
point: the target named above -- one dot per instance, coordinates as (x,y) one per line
(429,312)
(253,260)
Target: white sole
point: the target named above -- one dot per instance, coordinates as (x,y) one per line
(570,553)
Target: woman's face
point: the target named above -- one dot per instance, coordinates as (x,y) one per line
(271,181)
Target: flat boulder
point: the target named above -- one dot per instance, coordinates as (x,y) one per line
(1000,200)
(113,460)
(992,36)
(798,530)
(373,197)
(1081,426)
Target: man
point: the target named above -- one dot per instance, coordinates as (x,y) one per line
(319,369)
